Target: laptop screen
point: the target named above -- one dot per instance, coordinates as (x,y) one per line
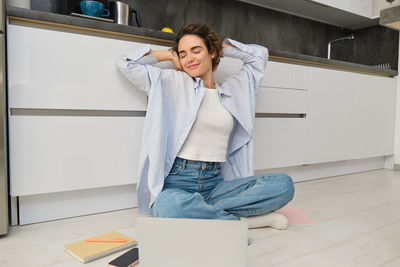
(170,242)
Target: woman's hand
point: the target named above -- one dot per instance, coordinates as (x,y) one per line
(225,46)
(175,60)
(165,55)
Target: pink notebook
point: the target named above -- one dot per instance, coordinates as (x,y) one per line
(295,215)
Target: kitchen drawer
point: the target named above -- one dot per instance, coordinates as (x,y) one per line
(275,100)
(60,153)
(279,142)
(57,70)
(284,75)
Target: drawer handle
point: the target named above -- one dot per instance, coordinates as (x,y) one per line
(279,115)
(75,112)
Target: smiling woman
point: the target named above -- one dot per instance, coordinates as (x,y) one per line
(197,52)
(195,59)
(197,155)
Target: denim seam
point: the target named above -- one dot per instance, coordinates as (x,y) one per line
(184,164)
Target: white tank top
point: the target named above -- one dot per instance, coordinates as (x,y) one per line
(209,136)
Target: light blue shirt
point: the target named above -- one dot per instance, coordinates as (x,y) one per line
(173,102)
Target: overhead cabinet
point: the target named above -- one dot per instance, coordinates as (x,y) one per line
(360,7)
(350,14)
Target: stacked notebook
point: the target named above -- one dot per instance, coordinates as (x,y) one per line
(88,251)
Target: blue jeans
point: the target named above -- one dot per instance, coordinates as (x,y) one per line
(196,189)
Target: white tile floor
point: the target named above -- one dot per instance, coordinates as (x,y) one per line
(357,223)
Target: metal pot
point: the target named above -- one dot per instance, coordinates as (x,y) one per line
(122,13)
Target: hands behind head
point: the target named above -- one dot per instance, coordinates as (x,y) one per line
(175,60)
(225,46)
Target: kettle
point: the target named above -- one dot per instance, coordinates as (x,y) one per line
(122,13)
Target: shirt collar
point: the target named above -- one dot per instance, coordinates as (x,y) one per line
(199,82)
(222,90)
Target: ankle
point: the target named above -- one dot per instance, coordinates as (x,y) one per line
(272,219)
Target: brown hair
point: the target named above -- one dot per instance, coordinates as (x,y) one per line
(211,39)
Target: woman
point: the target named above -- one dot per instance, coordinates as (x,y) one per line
(197,151)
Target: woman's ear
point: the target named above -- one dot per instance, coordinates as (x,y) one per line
(213,55)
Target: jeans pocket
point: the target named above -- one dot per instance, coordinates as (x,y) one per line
(175,169)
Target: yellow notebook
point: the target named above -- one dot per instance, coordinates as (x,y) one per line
(89,251)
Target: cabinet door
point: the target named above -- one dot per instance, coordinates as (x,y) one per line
(60,153)
(376,116)
(58,70)
(279,142)
(331,116)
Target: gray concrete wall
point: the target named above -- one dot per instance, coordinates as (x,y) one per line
(273,29)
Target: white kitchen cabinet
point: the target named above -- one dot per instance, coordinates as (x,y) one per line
(350,116)
(283,89)
(64,153)
(277,100)
(279,142)
(283,75)
(58,70)
(375,116)
(350,14)
(73,118)
(360,7)
(331,117)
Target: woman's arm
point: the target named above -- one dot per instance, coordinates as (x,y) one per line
(138,69)
(224,46)
(254,57)
(165,55)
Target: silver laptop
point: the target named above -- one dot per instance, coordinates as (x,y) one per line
(166,242)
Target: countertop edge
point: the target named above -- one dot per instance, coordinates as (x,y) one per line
(168,38)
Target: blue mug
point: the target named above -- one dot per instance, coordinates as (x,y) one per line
(94,9)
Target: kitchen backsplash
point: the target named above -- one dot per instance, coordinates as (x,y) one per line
(273,29)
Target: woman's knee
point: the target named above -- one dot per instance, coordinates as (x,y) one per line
(288,186)
(170,204)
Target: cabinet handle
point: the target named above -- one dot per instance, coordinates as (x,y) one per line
(75,112)
(279,115)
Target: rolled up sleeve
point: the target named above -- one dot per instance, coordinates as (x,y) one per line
(254,57)
(136,67)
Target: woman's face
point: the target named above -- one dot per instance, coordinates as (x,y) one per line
(194,56)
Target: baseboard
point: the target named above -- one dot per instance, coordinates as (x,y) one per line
(324,170)
(53,206)
(14,210)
